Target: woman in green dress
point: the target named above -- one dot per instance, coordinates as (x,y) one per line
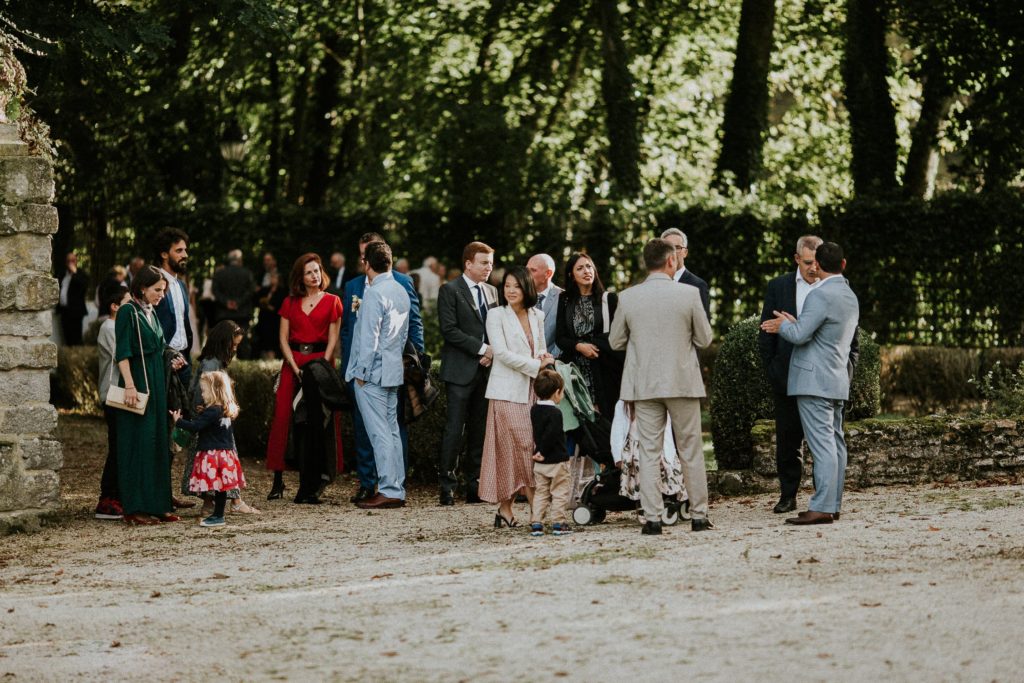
(143,455)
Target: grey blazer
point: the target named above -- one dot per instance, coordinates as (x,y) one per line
(550,309)
(821,340)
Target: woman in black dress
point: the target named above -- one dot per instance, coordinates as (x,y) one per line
(581,332)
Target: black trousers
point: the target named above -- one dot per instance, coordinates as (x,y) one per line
(312,453)
(71,327)
(108,480)
(789,434)
(467,411)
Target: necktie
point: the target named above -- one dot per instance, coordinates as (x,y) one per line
(540,300)
(480,303)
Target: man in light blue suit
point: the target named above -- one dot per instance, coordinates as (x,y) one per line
(542,269)
(375,365)
(354,290)
(819,377)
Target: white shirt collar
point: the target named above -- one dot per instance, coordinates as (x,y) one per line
(679,273)
(800,278)
(470,281)
(546,402)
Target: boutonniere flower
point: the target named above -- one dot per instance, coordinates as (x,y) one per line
(355,304)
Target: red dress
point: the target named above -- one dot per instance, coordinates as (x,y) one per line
(312,328)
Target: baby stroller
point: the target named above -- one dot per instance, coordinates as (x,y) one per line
(608,491)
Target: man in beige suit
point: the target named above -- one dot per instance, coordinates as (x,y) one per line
(661,326)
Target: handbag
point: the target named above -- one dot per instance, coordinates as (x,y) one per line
(115,394)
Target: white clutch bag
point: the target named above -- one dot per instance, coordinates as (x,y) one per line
(115,394)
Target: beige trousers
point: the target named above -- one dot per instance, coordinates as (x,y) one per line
(552,483)
(650,422)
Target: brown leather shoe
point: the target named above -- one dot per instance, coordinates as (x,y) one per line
(835,516)
(180,504)
(378,501)
(811,517)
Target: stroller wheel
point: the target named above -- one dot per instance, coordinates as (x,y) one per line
(670,515)
(598,516)
(582,515)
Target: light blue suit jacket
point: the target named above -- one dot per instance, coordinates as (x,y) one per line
(356,287)
(550,308)
(382,328)
(821,340)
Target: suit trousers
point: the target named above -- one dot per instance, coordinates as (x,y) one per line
(822,420)
(379,408)
(552,490)
(789,435)
(650,420)
(467,411)
(366,467)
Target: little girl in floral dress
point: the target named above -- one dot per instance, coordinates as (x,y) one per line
(216,466)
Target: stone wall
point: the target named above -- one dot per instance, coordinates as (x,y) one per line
(887,452)
(29,458)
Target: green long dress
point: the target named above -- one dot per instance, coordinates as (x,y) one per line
(143,455)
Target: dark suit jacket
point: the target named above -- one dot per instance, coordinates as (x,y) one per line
(608,377)
(76,294)
(688,278)
(776,351)
(357,287)
(234,283)
(165,314)
(347,277)
(463,330)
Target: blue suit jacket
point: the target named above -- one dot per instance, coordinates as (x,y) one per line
(357,287)
(165,314)
(821,339)
(380,334)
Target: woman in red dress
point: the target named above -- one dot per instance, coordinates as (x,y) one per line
(310,321)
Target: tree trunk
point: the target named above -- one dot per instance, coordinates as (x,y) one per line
(746,108)
(872,114)
(327,98)
(621,112)
(922,162)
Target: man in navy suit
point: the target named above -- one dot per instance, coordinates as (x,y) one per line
(366,467)
(677,238)
(787,293)
(171,251)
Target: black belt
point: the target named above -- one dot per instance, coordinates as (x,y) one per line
(307,348)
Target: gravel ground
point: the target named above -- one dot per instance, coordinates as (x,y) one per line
(912,584)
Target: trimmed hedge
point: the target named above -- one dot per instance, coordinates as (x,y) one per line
(740,394)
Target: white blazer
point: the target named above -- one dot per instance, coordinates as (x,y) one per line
(514,364)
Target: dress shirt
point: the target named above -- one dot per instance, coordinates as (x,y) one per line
(339,277)
(65,282)
(803,288)
(679,274)
(179,341)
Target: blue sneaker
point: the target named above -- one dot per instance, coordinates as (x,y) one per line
(536,529)
(560,529)
(212,520)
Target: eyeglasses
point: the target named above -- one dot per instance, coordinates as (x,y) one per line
(680,247)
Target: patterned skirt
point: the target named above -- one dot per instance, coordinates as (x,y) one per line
(507,465)
(217,470)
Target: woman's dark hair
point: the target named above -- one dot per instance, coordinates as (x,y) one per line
(522,277)
(220,343)
(572,290)
(296,286)
(147,277)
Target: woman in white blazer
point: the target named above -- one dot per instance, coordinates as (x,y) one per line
(515,332)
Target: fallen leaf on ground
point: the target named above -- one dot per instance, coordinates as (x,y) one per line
(870,604)
(380,576)
(934,528)
(809,560)
(155,594)
(116,643)
(218,575)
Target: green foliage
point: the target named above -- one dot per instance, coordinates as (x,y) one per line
(1002,391)
(740,394)
(254,391)
(75,383)
(934,378)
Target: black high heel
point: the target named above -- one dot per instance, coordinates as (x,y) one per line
(500,521)
(277,490)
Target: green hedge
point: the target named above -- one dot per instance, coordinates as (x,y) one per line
(740,394)
(941,379)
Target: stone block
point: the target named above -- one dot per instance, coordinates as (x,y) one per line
(41,454)
(26,323)
(26,180)
(25,252)
(39,489)
(15,353)
(28,419)
(28,292)
(24,386)
(39,219)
